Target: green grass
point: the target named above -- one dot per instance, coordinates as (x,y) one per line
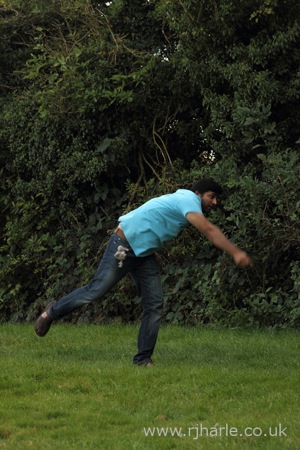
(78,389)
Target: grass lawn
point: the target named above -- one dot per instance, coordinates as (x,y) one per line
(210,389)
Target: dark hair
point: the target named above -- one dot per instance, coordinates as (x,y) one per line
(207,184)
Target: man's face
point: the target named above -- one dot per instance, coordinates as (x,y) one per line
(209,201)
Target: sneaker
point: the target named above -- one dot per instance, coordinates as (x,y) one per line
(43,323)
(147,363)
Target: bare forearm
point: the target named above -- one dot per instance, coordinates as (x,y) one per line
(217,238)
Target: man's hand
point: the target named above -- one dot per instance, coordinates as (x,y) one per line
(241,259)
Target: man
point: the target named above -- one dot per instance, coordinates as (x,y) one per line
(131,249)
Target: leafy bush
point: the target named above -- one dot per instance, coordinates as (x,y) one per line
(107,104)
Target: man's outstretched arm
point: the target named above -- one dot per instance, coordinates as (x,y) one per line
(218,239)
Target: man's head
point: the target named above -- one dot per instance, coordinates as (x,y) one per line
(209,191)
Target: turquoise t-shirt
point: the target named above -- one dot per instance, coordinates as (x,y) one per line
(160,219)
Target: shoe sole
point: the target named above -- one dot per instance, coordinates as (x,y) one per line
(38,326)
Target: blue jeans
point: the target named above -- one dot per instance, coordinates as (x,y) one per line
(145,272)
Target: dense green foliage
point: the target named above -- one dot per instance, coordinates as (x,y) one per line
(106,104)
